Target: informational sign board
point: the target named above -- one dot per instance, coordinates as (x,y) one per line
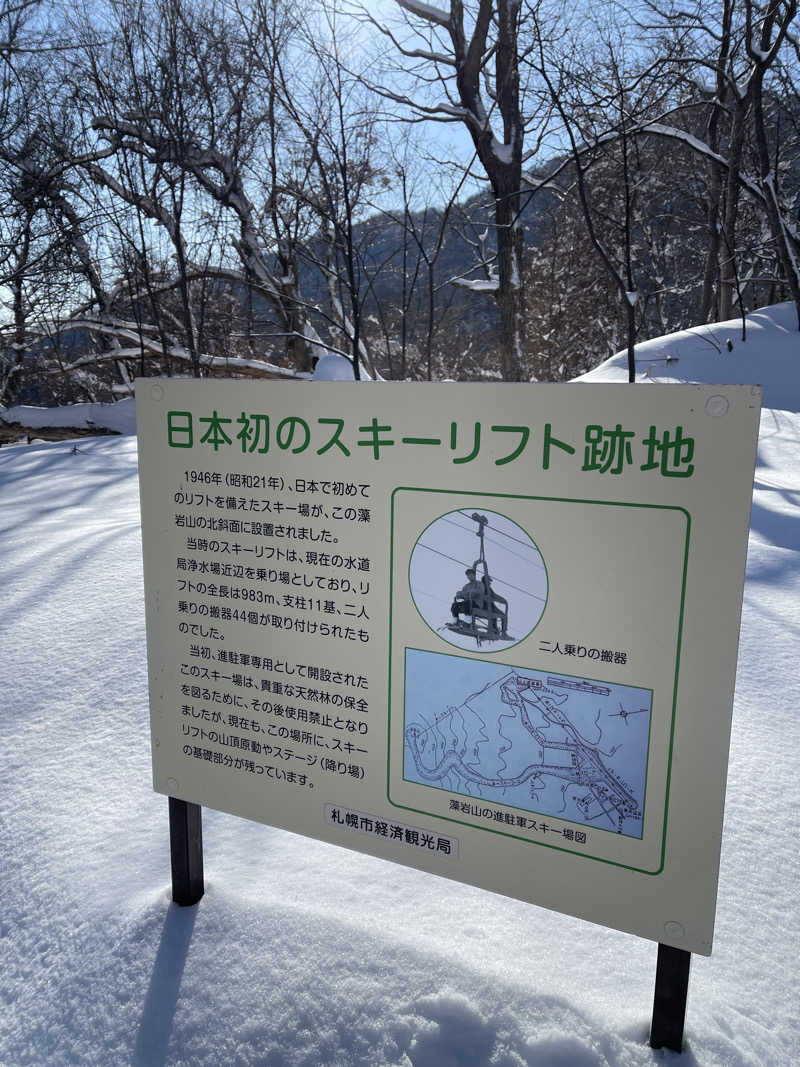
(488,631)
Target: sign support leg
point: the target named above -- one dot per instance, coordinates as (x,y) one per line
(186,851)
(669,1002)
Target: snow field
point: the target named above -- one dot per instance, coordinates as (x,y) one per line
(305,955)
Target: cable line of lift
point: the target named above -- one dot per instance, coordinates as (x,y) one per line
(461,563)
(502,533)
(421,592)
(536,561)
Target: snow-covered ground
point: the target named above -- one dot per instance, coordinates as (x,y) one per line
(301,953)
(120,417)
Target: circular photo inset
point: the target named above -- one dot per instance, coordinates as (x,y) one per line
(478,580)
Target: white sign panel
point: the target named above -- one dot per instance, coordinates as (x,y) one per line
(488,631)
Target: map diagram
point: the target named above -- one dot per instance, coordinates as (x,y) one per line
(548,743)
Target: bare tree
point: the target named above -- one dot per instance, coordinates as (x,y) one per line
(190,117)
(743,46)
(602,98)
(466,62)
(334,129)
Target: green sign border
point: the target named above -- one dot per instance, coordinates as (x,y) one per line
(559,500)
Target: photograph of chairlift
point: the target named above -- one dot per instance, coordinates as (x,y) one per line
(486,594)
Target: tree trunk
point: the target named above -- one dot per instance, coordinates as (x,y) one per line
(714,201)
(767,179)
(727,266)
(510,295)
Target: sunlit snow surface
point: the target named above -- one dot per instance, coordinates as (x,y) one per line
(304,954)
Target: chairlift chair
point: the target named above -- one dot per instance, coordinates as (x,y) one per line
(487,611)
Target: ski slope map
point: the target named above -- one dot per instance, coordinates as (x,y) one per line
(562,746)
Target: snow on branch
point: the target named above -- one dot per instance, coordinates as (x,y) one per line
(222,365)
(659,129)
(427,12)
(477,285)
(409,53)
(703,149)
(442,112)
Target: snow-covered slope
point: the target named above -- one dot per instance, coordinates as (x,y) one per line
(305,955)
(769,355)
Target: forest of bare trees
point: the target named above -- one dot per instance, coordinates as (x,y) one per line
(507,189)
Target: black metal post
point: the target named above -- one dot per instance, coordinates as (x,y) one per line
(669,1002)
(186,851)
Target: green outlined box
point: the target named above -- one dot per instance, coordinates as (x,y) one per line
(639,842)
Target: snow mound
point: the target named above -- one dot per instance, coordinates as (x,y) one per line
(333,368)
(119,416)
(769,356)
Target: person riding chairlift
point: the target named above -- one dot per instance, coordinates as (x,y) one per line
(472,592)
